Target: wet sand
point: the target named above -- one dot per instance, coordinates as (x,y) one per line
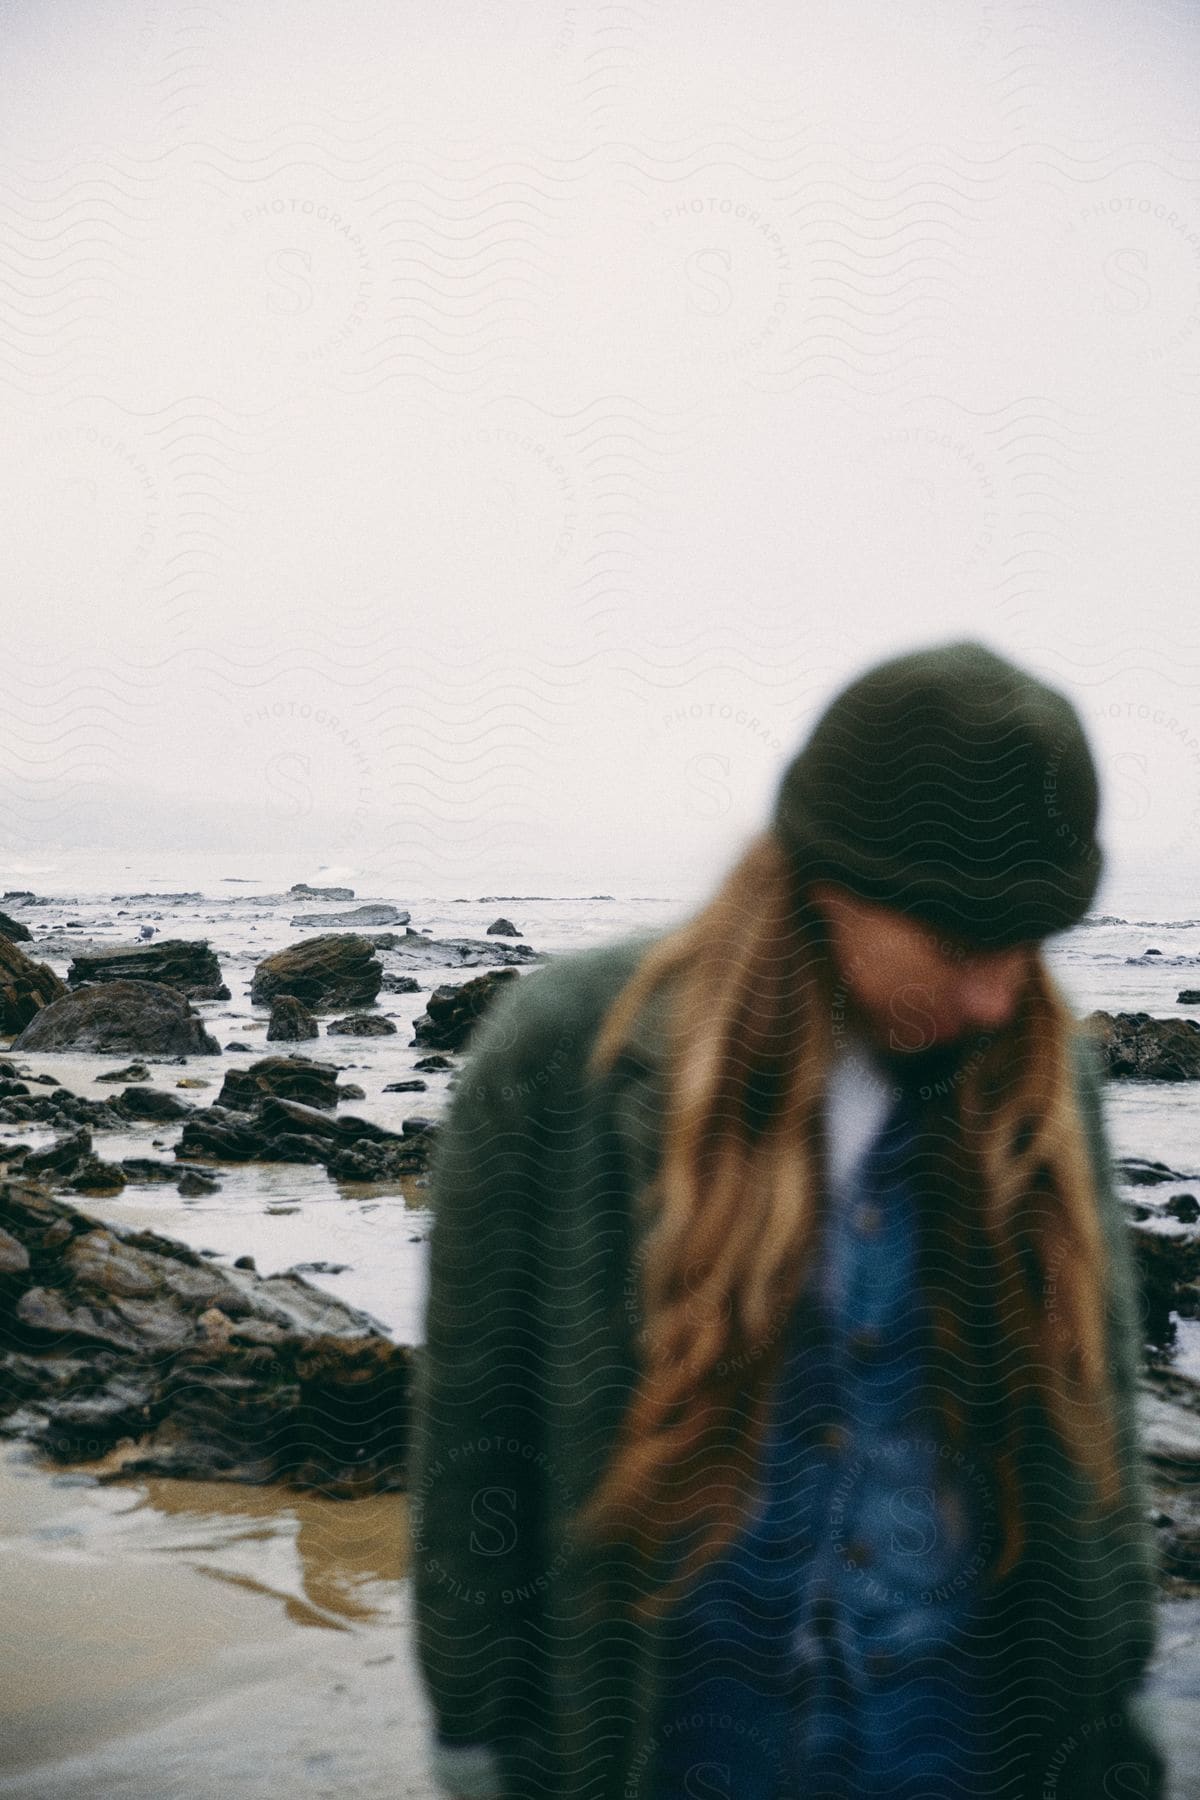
(174,1640)
(168,1640)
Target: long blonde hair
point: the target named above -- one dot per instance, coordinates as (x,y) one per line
(735,1203)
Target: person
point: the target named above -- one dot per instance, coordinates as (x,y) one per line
(773,1434)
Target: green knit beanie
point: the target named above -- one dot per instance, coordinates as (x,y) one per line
(953,786)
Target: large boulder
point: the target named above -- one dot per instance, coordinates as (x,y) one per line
(1138,1047)
(187,964)
(284,1077)
(25,987)
(121,1016)
(453,1010)
(331,973)
(109,1334)
(13,930)
(291,1021)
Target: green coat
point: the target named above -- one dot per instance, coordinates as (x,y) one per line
(528,1360)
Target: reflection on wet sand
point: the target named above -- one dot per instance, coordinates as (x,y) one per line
(138,1613)
(342,1554)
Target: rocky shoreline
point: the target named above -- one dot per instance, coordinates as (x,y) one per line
(127,1338)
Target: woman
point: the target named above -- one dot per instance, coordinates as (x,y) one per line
(774,1431)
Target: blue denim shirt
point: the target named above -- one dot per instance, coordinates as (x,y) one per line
(825,1653)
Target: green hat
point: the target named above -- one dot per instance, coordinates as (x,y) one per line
(955,787)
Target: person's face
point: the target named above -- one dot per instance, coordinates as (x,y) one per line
(920,997)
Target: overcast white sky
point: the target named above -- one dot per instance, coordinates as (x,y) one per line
(492,432)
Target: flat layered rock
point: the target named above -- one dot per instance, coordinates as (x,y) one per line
(109,1335)
(355,917)
(416,951)
(186,964)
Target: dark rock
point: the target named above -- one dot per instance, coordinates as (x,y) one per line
(13,930)
(186,964)
(151,1103)
(194,1181)
(26,987)
(60,1108)
(244,1048)
(416,1086)
(415,1126)
(1168,1263)
(285,1131)
(431,1064)
(120,1015)
(1183,1206)
(400,984)
(245,1262)
(349,1164)
(350,1090)
(1151,952)
(327,973)
(118,1335)
(301,891)
(503,928)
(61,1158)
(289,1077)
(362,1025)
(357,919)
(277,1114)
(453,1010)
(134,1071)
(1188,997)
(1139,1047)
(227,1137)
(291,1020)
(149,1168)
(1142,1171)
(94,1176)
